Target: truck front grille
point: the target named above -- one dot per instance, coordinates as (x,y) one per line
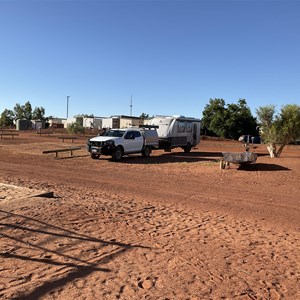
(95,144)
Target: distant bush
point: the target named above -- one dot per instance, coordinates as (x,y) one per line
(75,128)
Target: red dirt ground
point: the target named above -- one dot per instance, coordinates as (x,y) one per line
(171,226)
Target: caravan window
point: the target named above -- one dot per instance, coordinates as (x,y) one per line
(181,127)
(189,127)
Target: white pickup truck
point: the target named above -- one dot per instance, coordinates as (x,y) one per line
(119,142)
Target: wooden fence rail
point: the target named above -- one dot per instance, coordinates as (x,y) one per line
(56,151)
(8,134)
(63,138)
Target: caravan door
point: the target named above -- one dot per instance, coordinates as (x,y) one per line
(195,134)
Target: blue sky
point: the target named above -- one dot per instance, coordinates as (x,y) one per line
(171,57)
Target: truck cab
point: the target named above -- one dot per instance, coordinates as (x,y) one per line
(119,142)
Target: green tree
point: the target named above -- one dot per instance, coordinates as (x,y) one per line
(214,117)
(278,130)
(27,111)
(75,128)
(144,116)
(228,121)
(19,112)
(7,118)
(38,113)
(23,111)
(239,120)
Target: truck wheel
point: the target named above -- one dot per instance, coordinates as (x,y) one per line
(95,156)
(117,154)
(146,152)
(187,148)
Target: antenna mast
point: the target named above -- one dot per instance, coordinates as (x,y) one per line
(68,97)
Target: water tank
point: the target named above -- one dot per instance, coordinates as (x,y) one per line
(21,124)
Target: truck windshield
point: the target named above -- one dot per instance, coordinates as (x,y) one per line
(114,133)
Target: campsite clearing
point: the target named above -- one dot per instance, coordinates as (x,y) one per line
(170,226)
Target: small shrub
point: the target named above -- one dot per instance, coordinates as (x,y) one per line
(75,128)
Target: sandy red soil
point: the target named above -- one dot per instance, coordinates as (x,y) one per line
(171,226)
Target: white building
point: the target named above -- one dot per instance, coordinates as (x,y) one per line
(57,122)
(122,121)
(105,122)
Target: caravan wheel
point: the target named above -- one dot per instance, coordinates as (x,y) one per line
(146,152)
(187,148)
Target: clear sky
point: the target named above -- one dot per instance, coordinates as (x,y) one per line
(171,57)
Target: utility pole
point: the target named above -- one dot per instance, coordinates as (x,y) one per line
(131,107)
(68,106)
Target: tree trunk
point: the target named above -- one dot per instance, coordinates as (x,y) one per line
(280,150)
(272,150)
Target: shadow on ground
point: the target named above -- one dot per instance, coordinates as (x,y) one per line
(176,157)
(17,229)
(263,167)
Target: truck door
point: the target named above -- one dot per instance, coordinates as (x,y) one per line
(138,141)
(133,141)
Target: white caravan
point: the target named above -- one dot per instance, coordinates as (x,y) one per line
(177,131)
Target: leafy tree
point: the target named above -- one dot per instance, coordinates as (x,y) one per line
(19,112)
(239,120)
(214,117)
(75,128)
(27,111)
(38,113)
(144,116)
(279,129)
(7,118)
(23,111)
(228,121)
